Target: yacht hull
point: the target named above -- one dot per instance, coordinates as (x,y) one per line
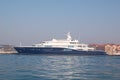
(55,51)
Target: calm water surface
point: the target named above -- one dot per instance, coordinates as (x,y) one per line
(43,67)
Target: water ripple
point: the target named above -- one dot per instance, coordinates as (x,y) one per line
(35,67)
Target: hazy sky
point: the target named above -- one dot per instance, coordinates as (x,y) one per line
(33,21)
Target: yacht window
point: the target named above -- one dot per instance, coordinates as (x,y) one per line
(79,46)
(48,46)
(72,42)
(70,46)
(84,46)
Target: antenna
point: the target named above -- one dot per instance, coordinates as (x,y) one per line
(69,36)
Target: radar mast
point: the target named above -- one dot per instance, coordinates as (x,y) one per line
(69,36)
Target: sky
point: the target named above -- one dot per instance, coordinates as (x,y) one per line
(33,21)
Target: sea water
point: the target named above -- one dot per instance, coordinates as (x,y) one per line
(45,67)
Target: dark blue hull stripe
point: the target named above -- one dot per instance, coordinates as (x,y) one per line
(59,51)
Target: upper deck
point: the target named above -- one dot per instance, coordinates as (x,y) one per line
(65,43)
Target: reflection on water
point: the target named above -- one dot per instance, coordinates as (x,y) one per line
(59,67)
(36,67)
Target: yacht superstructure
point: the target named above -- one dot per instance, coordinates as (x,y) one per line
(65,43)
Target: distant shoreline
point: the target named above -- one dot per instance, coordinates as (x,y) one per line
(7,49)
(8,52)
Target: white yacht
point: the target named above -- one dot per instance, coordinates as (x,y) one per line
(62,46)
